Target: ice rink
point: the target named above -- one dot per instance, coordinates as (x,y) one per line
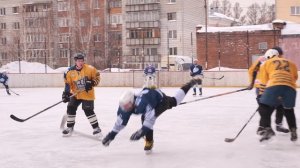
(187,136)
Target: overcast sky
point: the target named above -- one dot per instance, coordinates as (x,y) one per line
(247,3)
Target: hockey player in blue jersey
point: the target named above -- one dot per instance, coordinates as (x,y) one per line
(4,80)
(149,73)
(149,103)
(196,73)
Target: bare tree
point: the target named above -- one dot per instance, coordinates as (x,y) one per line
(271,13)
(253,14)
(237,10)
(263,13)
(243,19)
(226,7)
(215,6)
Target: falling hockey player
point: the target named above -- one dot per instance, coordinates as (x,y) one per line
(80,79)
(279,75)
(150,103)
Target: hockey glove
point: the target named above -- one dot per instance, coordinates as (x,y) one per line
(108,138)
(66,97)
(89,85)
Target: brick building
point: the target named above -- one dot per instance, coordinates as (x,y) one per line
(234,47)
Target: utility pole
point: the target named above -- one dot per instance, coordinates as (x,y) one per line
(206,38)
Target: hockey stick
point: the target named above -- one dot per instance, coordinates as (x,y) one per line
(14,92)
(22,120)
(232,139)
(217,95)
(215,78)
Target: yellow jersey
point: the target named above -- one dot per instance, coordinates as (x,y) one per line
(75,80)
(278,71)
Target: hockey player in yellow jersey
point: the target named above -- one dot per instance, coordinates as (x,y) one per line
(279,75)
(254,77)
(80,80)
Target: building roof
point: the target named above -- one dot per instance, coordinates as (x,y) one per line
(289,29)
(220,16)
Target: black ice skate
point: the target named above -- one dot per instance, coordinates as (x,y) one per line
(148,146)
(67,132)
(260,130)
(267,134)
(280,128)
(97,132)
(294,136)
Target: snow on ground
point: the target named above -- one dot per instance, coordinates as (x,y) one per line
(190,135)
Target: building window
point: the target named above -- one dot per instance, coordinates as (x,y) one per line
(3,26)
(135,51)
(133,34)
(63,53)
(82,5)
(96,4)
(2,11)
(295,10)
(173,51)
(115,4)
(116,19)
(15,9)
(96,21)
(173,34)
(97,37)
(31,8)
(64,38)
(172,1)
(4,56)
(151,51)
(16,25)
(62,6)
(263,46)
(148,34)
(3,40)
(63,22)
(172,16)
(82,22)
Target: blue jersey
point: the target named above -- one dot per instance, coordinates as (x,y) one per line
(3,78)
(150,70)
(145,103)
(196,70)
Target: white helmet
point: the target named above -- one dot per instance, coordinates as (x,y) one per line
(270,53)
(126,100)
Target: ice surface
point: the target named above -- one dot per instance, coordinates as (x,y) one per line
(190,135)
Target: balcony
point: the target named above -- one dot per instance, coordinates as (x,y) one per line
(145,41)
(142,24)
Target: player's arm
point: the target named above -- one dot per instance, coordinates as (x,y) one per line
(122,120)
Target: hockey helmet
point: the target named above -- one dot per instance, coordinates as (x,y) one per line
(79,56)
(126,100)
(278,49)
(270,53)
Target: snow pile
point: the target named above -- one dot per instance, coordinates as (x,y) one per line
(27,67)
(225,69)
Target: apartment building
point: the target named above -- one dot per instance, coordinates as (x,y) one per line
(81,28)
(26,31)
(155,29)
(288,10)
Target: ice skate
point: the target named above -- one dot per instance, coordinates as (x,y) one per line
(294,136)
(280,128)
(267,134)
(67,132)
(148,146)
(97,133)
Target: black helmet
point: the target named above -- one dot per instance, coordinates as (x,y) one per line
(79,56)
(278,49)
